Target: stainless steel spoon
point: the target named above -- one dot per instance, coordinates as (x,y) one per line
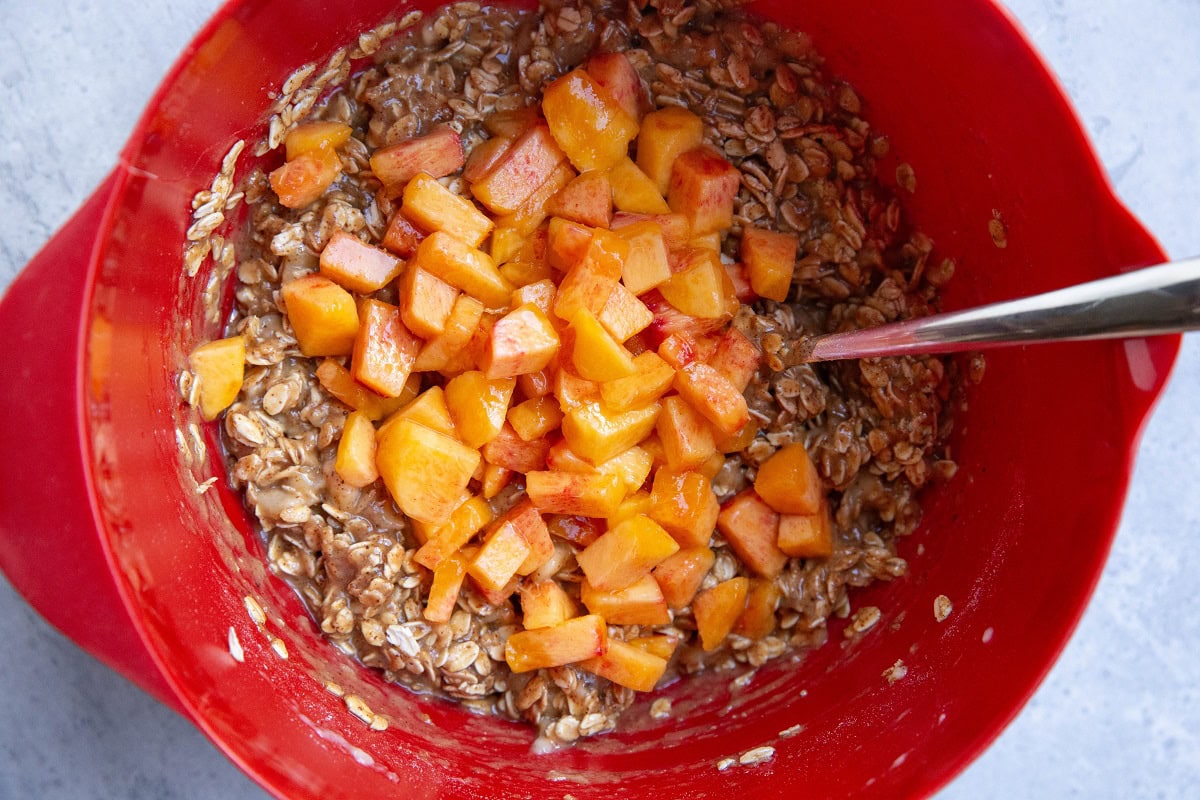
(1144,302)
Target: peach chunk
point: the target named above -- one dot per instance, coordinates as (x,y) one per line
(686,436)
(680,575)
(494,480)
(665,135)
(461,325)
(447,583)
(758,618)
(736,358)
(355,462)
(714,396)
(535,417)
(589,283)
(498,560)
(624,315)
(436,208)
(669,321)
(572,391)
(578,531)
(647,264)
(626,553)
(594,495)
(652,378)
(384,350)
(599,434)
(510,451)
(464,267)
(425,301)
(438,153)
(701,288)
(545,603)
(506,244)
(557,645)
(511,123)
(587,200)
(485,156)
(338,381)
(702,187)
(426,472)
(616,76)
(219,366)
(770,258)
(519,171)
(446,540)
(627,665)
(305,178)
(659,644)
(323,316)
(312,135)
(540,294)
(717,609)
(595,354)
(522,341)
(401,236)
(586,122)
(684,504)
(636,503)
(807,535)
(428,409)
(676,229)
(478,405)
(566,243)
(352,263)
(633,191)
(640,603)
(533,213)
(788,481)
(751,527)
(527,522)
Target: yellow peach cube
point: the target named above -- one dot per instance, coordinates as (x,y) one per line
(807,535)
(355,462)
(640,603)
(436,208)
(647,264)
(788,481)
(220,368)
(557,645)
(713,396)
(699,289)
(626,553)
(684,504)
(426,472)
(633,191)
(598,434)
(425,301)
(461,325)
(770,258)
(717,609)
(338,381)
(589,283)
(587,495)
(651,380)
(466,521)
(478,405)
(596,355)
(464,267)
(429,409)
(323,316)
(519,171)
(535,417)
(522,341)
(665,135)
(447,583)
(624,315)
(685,434)
(702,187)
(628,666)
(313,135)
(752,528)
(586,122)
(680,575)
(498,560)
(588,199)
(544,604)
(352,263)
(758,618)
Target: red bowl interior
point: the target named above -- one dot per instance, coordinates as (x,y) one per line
(1016,540)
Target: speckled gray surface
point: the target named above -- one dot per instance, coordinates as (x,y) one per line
(1119,715)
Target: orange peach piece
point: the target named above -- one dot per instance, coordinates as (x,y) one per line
(510,451)
(681,349)
(519,272)
(739,278)
(770,258)
(587,123)
(595,354)
(522,341)
(699,289)
(751,527)
(659,644)
(536,384)
(624,315)
(466,521)
(545,603)
(588,495)
(676,229)
(665,135)
(355,462)
(494,480)
(788,481)
(680,575)
(539,294)
(519,172)
(561,458)
(426,472)
(478,405)
(355,265)
(626,553)
(714,396)
(323,316)
(384,350)
(709,241)
(464,267)
(535,417)
(566,243)
(485,156)
(425,301)
(647,264)
(443,592)
(574,640)
(572,391)
(712,466)
(613,73)
(736,358)
(470,357)
(511,123)
(461,325)
(635,504)
(739,441)
(758,618)
(669,321)
(589,283)
(305,178)
(685,434)
(684,504)
(702,188)
(651,379)
(578,530)
(338,381)
(428,409)
(633,191)
(587,199)
(599,434)
(640,603)
(435,208)
(502,553)
(628,666)
(220,368)
(401,236)
(632,466)
(717,610)
(501,597)
(312,135)
(437,154)
(506,244)
(807,535)
(533,213)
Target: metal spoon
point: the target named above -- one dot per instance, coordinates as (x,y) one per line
(1153,300)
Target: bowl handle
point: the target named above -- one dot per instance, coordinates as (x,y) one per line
(50,539)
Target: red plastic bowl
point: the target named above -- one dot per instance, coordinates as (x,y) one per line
(157,574)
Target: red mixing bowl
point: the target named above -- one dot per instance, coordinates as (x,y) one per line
(158,574)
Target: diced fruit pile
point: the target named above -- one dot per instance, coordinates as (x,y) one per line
(561,343)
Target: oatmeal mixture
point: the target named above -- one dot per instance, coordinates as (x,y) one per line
(806,159)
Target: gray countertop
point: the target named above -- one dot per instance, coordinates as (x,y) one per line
(1119,715)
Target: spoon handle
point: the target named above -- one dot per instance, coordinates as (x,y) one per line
(1159,299)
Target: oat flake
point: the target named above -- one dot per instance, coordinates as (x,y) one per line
(235,647)
(942,608)
(758,755)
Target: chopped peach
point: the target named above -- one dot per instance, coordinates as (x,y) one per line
(680,575)
(684,504)
(566,243)
(519,172)
(510,451)
(461,325)
(699,289)
(464,267)
(436,208)
(425,301)
(668,321)
(485,156)
(539,294)
(626,553)
(447,583)
(770,258)
(586,122)
(739,277)
(572,391)
(632,466)
(522,341)
(599,434)
(533,213)
(561,458)
(428,409)
(545,603)
(686,436)
(537,384)
(758,618)
(628,666)
(305,178)
(646,266)
(676,229)
(640,603)
(788,481)
(574,640)
(312,135)
(323,316)
(653,445)
(702,188)
(681,349)
(739,441)
(520,272)
(426,472)
(506,244)
(478,405)
(751,527)
(596,355)
(634,191)
(355,265)
(338,381)
(501,597)
(636,503)
(524,519)
(445,540)
(624,315)
(709,241)
(616,76)
(355,462)
(401,236)
(497,561)
(717,610)
(384,350)
(220,367)
(651,379)
(712,466)
(579,531)
(588,495)
(659,644)
(511,123)
(438,153)
(807,535)
(535,418)
(714,396)
(494,480)
(470,357)
(736,359)
(587,199)
(589,283)
(665,135)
